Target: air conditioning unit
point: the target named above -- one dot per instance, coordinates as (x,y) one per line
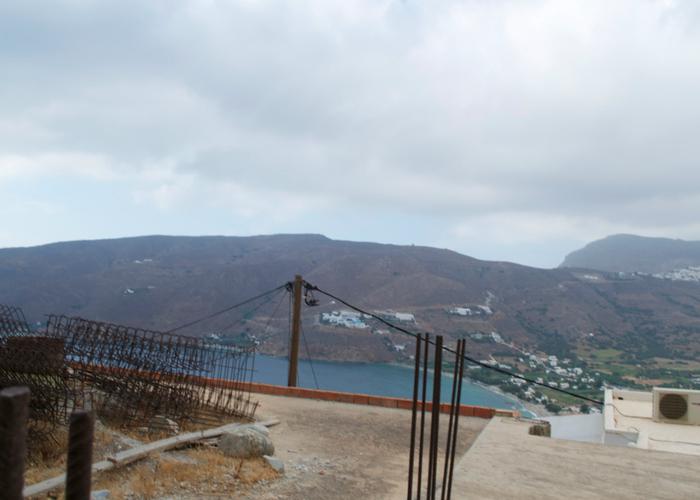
(676,406)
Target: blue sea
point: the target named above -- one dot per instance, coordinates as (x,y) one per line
(376,379)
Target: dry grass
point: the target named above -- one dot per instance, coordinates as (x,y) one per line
(193,472)
(47,458)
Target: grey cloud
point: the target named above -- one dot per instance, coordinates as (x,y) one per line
(458,108)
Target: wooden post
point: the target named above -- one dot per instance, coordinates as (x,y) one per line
(296,327)
(79,469)
(14,411)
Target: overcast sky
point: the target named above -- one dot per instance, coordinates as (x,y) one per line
(504,130)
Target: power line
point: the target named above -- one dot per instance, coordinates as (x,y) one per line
(274,313)
(470,359)
(308,356)
(230,308)
(249,313)
(265,329)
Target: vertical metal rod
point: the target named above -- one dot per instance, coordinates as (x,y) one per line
(422,413)
(449,426)
(296,327)
(431,441)
(456,422)
(430,446)
(79,469)
(435,418)
(414,409)
(14,411)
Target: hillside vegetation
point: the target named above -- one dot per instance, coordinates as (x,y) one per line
(158,282)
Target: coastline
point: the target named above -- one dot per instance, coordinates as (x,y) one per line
(537,410)
(534,410)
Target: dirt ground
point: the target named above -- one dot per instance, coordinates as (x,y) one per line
(337,450)
(198,472)
(330,451)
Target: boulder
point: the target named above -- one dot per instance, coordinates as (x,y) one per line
(260,428)
(275,463)
(163,423)
(246,442)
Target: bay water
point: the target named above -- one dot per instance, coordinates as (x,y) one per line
(376,379)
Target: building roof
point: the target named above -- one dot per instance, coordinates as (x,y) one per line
(506,462)
(628,416)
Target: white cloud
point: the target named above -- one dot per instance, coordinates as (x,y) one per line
(517,121)
(79,164)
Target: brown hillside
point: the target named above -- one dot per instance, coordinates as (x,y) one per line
(159,282)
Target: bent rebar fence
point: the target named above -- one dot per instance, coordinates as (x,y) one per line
(138,374)
(127,375)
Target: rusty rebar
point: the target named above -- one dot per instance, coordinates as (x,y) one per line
(127,375)
(448,444)
(140,374)
(435,419)
(414,411)
(422,414)
(460,358)
(13,322)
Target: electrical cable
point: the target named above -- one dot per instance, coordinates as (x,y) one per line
(471,360)
(308,355)
(620,412)
(230,308)
(690,443)
(648,437)
(249,313)
(272,316)
(265,329)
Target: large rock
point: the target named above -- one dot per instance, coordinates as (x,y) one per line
(164,424)
(276,464)
(260,428)
(246,442)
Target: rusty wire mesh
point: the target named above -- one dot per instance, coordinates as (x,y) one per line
(12,322)
(138,374)
(38,363)
(129,376)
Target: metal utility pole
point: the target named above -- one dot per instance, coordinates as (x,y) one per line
(296,327)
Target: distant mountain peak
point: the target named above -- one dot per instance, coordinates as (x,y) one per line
(633,253)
